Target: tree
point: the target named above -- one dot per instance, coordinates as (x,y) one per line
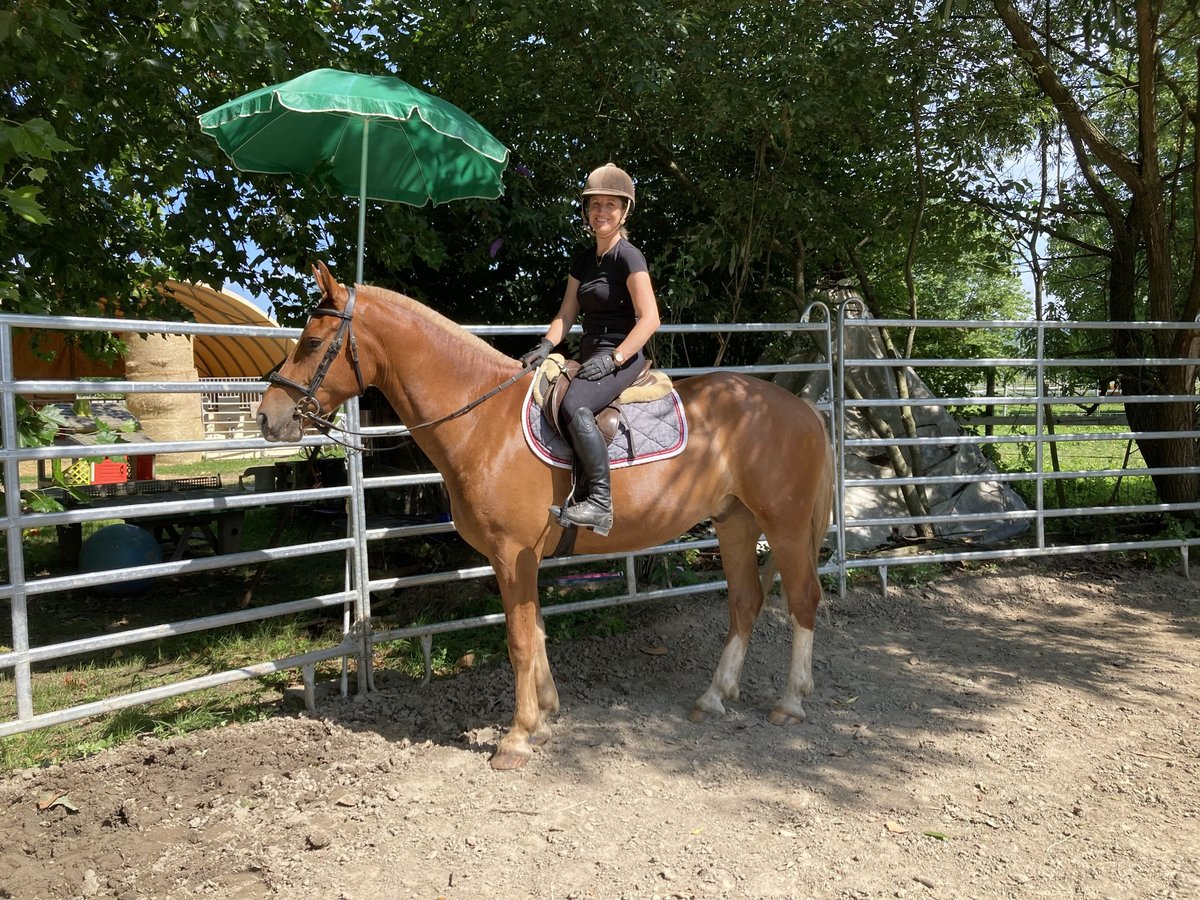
(146,195)
(774,145)
(1129,118)
(771,143)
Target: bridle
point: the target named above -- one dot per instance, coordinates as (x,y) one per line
(308,408)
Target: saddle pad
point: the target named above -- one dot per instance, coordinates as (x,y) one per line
(649,432)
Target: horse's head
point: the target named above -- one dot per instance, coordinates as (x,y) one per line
(323,371)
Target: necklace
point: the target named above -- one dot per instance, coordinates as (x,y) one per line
(600,256)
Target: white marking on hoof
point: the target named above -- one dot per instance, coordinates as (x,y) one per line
(800,681)
(802,646)
(725,680)
(729,669)
(709,703)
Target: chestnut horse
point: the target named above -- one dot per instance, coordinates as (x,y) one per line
(758,460)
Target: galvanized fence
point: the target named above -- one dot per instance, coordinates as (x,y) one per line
(21,589)
(833,371)
(1037,423)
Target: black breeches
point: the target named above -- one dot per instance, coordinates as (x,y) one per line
(595,395)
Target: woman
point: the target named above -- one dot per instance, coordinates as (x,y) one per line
(610,284)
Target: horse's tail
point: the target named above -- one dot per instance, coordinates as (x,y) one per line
(766,575)
(823,504)
(822,510)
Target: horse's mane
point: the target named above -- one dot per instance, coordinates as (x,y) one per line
(453,331)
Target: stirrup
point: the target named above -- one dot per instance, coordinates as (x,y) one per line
(587,514)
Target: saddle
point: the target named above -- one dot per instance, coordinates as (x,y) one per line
(554,377)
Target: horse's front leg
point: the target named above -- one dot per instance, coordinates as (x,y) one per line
(536,694)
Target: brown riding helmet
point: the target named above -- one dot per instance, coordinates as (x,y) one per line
(608,179)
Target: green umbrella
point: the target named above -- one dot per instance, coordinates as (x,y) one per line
(373,136)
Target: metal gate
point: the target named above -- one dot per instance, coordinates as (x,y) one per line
(832,372)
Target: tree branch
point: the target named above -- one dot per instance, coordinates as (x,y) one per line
(1024,219)
(1075,118)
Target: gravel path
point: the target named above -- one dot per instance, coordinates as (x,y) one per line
(1016,732)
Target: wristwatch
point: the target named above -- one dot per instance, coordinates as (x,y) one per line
(618,357)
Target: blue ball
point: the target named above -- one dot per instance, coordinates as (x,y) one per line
(120,547)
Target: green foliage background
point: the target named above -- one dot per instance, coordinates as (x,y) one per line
(767,140)
(776,146)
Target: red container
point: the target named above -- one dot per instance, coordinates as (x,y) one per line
(110,472)
(143,467)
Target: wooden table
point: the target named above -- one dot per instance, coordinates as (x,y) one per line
(219,529)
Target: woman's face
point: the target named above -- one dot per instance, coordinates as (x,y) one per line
(605,213)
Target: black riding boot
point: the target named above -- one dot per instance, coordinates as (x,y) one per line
(595,510)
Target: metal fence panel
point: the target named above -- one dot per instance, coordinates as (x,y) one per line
(837,368)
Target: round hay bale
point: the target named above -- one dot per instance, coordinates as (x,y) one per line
(165,417)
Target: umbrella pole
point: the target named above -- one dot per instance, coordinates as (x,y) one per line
(362,202)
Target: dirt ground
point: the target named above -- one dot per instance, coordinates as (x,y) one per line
(1014,733)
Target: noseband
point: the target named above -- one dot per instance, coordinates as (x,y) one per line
(307,406)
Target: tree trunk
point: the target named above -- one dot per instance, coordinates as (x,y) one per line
(1136,379)
(1143,227)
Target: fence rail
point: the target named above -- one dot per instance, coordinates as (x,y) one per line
(876,525)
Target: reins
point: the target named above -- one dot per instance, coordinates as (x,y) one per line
(307,407)
(326,425)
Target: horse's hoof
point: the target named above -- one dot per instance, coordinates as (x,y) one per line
(541,736)
(707,704)
(507,760)
(780,716)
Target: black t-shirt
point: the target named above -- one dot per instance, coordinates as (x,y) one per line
(604,286)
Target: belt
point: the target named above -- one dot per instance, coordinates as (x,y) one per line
(600,331)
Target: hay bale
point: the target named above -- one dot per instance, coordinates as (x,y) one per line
(165,417)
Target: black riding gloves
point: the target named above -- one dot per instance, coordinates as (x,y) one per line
(597,367)
(538,354)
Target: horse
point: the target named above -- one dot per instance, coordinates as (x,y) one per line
(758,461)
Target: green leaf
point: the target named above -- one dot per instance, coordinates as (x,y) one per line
(937,835)
(36,139)
(23,202)
(40,503)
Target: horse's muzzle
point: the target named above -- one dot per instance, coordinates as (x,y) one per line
(285,430)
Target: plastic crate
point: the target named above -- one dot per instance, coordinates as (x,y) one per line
(109,471)
(78,473)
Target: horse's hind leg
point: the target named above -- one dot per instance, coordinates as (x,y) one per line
(737,534)
(802,590)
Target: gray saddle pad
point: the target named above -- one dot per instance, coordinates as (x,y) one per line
(649,432)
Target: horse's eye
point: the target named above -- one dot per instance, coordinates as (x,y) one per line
(314,343)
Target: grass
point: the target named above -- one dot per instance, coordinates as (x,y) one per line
(86,678)
(1072,456)
(123,670)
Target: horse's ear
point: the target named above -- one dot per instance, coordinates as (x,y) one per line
(329,285)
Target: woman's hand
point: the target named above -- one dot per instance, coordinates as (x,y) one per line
(597,367)
(538,354)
